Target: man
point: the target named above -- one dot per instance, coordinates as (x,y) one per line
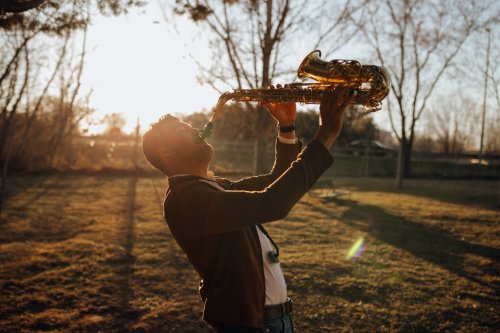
(217,223)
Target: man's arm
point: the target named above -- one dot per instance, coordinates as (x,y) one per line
(202,210)
(286,151)
(205,210)
(285,154)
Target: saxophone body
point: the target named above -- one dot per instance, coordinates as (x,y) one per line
(372,84)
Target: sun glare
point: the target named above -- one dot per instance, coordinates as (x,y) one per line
(135,67)
(356,249)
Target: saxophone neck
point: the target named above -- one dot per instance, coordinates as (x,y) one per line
(206,131)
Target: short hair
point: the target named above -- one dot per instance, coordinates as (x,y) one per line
(154,139)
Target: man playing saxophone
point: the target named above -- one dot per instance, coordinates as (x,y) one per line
(218,223)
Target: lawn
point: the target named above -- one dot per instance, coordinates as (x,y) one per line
(82,253)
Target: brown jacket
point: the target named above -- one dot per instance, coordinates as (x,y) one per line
(216,229)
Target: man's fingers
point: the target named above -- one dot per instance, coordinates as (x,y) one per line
(328,98)
(346,101)
(347,97)
(333,97)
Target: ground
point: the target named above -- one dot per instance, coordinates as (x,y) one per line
(89,254)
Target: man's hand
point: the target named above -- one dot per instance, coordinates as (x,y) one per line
(284,113)
(331,109)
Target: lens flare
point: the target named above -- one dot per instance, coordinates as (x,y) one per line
(356,249)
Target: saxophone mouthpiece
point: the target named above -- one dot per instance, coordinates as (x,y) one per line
(206,131)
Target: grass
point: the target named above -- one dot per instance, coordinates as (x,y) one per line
(80,253)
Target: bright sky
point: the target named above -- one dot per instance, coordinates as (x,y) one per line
(136,66)
(139,66)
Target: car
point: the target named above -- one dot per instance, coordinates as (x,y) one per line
(371,147)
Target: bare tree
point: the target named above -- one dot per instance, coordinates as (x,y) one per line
(251,40)
(493,140)
(18,29)
(69,88)
(452,123)
(417,41)
(494,75)
(10,107)
(114,123)
(32,112)
(14,92)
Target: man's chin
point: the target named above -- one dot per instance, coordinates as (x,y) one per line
(206,152)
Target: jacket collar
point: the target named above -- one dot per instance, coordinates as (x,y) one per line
(179,179)
(183,178)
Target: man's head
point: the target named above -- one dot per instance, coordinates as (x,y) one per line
(174,147)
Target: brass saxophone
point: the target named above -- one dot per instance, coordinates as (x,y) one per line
(372,84)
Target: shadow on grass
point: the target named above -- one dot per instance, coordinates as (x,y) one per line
(126,314)
(47,226)
(471,192)
(427,242)
(16,186)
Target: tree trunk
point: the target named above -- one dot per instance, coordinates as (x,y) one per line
(399,168)
(407,150)
(3,178)
(264,120)
(403,169)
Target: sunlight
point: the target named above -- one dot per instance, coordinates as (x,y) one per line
(136,67)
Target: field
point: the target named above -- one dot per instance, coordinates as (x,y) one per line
(89,254)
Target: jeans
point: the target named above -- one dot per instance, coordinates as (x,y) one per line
(282,324)
(279,325)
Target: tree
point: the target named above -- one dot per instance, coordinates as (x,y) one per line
(417,41)
(114,124)
(493,140)
(453,123)
(357,127)
(232,123)
(307,123)
(18,80)
(251,42)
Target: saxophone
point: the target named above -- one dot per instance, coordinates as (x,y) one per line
(371,83)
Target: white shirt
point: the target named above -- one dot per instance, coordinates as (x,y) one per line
(273,275)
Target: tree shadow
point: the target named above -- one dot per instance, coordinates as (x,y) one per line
(125,315)
(16,186)
(427,242)
(51,225)
(468,192)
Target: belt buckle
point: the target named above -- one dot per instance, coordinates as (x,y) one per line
(288,305)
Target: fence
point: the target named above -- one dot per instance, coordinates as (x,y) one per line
(100,154)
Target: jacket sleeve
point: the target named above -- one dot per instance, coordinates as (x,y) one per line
(205,211)
(285,154)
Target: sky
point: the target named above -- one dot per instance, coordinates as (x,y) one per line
(138,67)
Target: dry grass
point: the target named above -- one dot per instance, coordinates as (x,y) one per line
(93,254)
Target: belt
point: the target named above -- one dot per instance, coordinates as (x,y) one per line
(278,310)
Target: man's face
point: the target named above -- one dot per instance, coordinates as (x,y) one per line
(186,145)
